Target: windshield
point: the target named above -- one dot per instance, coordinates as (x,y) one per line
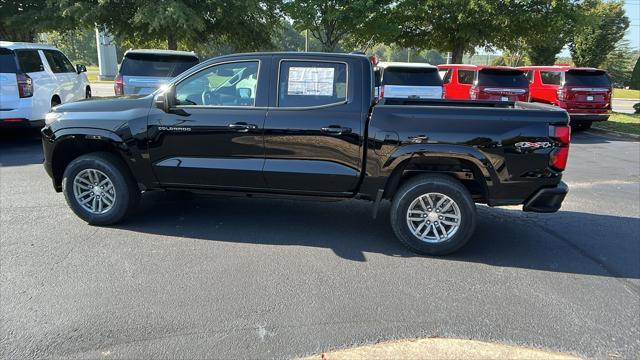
(156,65)
(587,78)
(502,77)
(411,77)
(7,62)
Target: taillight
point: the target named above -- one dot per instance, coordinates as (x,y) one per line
(559,156)
(25,85)
(381,91)
(561,93)
(118,86)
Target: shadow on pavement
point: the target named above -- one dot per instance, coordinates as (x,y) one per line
(20,147)
(568,242)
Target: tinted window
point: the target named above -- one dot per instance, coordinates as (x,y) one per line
(7,61)
(466,76)
(446,76)
(156,65)
(29,61)
(529,75)
(551,77)
(411,77)
(58,62)
(508,78)
(232,84)
(308,83)
(587,78)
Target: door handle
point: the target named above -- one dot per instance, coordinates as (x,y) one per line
(242,126)
(335,130)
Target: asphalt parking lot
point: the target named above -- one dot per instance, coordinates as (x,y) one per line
(194,276)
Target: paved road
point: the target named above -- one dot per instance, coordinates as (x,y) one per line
(624,105)
(228,277)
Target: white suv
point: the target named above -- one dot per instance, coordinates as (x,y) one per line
(33,79)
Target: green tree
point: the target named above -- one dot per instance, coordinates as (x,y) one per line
(358,22)
(605,24)
(243,24)
(79,45)
(23,20)
(619,64)
(635,77)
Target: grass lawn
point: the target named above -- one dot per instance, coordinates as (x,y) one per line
(621,122)
(626,94)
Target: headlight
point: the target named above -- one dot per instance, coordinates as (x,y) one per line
(51,117)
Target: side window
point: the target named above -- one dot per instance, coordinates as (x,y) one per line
(29,61)
(310,83)
(551,77)
(58,62)
(466,76)
(231,84)
(529,75)
(446,76)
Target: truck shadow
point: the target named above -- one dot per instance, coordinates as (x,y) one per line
(20,147)
(568,242)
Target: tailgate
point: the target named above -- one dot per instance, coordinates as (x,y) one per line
(142,85)
(9,97)
(412,92)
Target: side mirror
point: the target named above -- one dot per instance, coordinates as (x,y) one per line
(81,68)
(160,101)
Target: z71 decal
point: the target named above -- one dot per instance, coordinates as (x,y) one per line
(525,145)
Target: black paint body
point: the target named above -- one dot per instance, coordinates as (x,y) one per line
(290,151)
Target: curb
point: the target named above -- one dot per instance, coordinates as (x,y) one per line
(614,133)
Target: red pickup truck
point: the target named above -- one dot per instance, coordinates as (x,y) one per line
(585,93)
(473,82)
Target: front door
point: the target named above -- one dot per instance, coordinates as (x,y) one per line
(212,137)
(314,128)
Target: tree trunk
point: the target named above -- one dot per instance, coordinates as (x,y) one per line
(457,54)
(172,42)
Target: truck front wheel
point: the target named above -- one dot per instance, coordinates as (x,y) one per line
(99,188)
(433,214)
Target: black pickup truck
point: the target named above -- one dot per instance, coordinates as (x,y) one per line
(307,124)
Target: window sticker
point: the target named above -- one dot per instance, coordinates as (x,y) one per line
(310,81)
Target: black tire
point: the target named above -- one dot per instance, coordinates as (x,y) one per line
(433,183)
(87,93)
(127,193)
(55,101)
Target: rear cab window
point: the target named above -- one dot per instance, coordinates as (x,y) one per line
(502,78)
(311,83)
(551,77)
(589,78)
(408,76)
(156,65)
(8,63)
(466,76)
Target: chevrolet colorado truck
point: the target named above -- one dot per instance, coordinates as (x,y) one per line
(307,124)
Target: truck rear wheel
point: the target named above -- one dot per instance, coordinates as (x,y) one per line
(99,188)
(433,214)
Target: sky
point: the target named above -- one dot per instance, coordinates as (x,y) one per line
(632,8)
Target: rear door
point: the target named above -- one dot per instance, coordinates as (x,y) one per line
(64,74)
(9,97)
(464,81)
(314,128)
(547,89)
(502,85)
(144,73)
(411,83)
(587,89)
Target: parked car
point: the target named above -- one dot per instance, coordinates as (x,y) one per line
(311,128)
(458,80)
(499,83)
(397,80)
(585,93)
(33,79)
(143,71)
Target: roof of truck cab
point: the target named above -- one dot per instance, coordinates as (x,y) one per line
(557,68)
(25,45)
(386,64)
(461,66)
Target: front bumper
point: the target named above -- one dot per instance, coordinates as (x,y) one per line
(547,200)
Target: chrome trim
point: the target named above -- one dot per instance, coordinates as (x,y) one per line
(515,91)
(346,90)
(588,89)
(174,85)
